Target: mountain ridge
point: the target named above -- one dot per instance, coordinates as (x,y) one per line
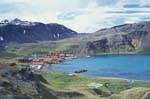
(18,31)
(126,38)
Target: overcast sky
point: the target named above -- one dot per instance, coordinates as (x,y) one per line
(79,15)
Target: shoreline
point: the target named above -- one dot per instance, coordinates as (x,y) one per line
(122,53)
(101,54)
(100,77)
(119,78)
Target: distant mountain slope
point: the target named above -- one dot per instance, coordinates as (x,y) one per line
(125,38)
(128,28)
(17,31)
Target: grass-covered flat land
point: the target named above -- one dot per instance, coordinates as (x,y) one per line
(57,85)
(112,88)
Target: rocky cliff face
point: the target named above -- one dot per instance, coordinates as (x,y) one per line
(17,31)
(128,38)
(23,84)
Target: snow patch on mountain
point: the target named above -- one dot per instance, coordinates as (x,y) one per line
(24,32)
(1,38)
(58,35)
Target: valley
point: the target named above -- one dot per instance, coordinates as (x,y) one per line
(19,82)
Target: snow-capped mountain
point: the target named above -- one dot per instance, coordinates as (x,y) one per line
(18,31)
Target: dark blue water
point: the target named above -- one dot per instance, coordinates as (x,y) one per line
(122,66)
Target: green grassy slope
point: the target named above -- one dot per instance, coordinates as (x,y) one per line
(112,88)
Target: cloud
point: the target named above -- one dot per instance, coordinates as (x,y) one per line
(136,6)
(144,2)
(80,15)
(132,20)
(70,15)
(128,12)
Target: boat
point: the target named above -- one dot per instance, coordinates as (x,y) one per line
(81,71)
